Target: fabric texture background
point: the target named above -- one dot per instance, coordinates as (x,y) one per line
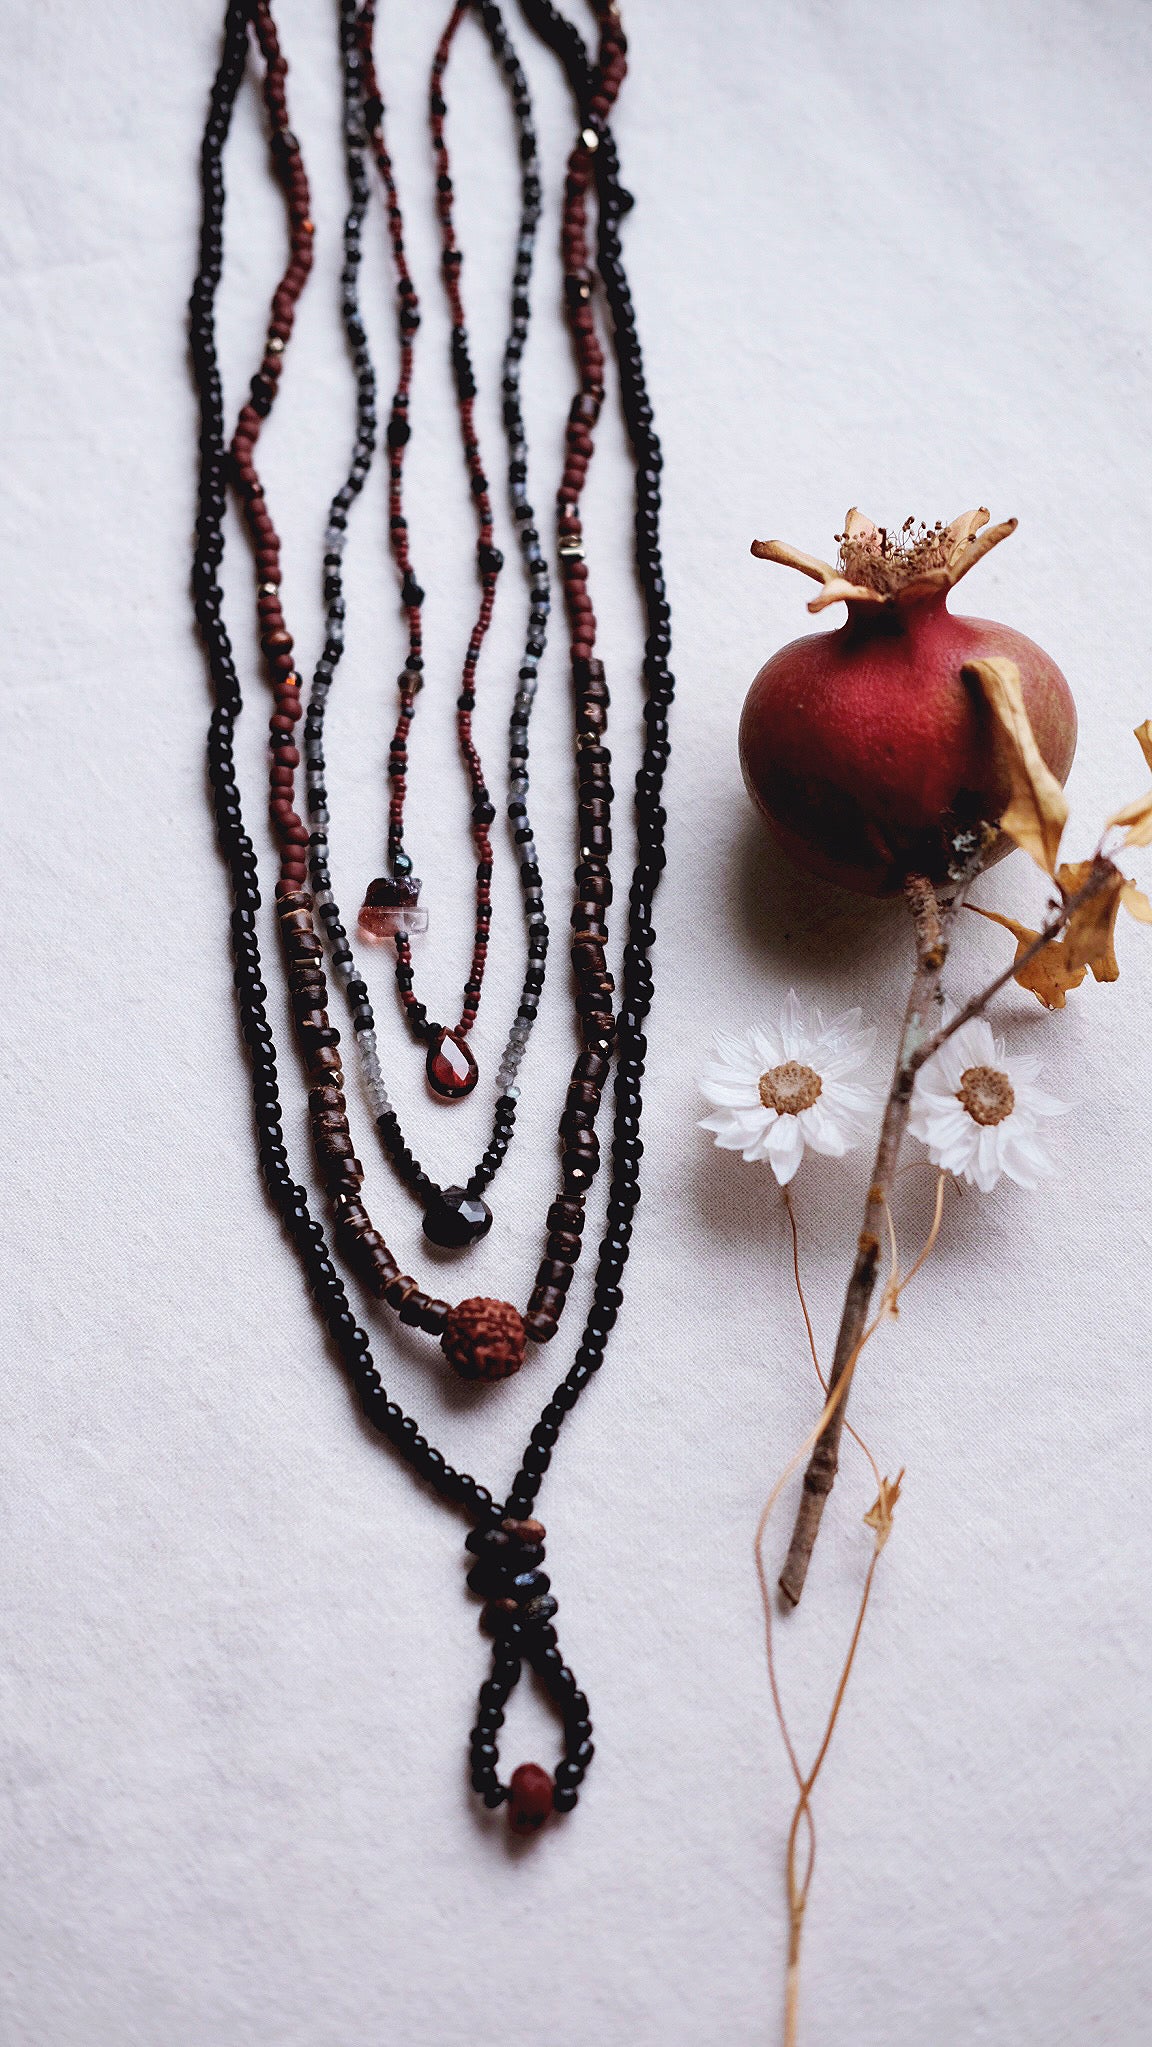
(894,257)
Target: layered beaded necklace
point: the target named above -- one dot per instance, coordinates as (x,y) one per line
(456,1215)
(479,1337)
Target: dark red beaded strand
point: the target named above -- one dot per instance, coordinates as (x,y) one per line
(452,1071)
(275,639)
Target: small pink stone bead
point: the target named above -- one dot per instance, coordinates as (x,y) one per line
(377,925)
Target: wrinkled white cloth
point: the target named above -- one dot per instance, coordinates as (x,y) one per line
(894,257)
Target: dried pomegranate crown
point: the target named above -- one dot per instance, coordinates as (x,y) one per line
(877,566)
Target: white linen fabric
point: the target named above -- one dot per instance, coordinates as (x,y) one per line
(897,257)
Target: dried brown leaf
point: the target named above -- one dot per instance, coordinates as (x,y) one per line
(879,1516)
(1137,816)
(1089,937)
(1038,808)
(1136,903)
(1049,975)
(1144,737)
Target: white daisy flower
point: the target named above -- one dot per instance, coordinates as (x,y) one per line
(776,1090)
(979,1111)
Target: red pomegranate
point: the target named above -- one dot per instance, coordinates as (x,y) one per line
(866,749)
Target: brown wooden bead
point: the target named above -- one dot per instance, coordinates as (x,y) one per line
(588,956)
(564,1245)
(333,1120)
(382,1271)
(548,1300)
(566,1215)
(538,1327)
(591,1066)
(554,1273)
(322,1099)
(398,1290)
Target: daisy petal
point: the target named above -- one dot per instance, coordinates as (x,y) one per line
(785,1147)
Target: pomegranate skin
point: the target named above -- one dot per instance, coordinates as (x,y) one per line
(864,749)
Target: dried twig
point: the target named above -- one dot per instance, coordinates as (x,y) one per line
(918,1043)
(933,922)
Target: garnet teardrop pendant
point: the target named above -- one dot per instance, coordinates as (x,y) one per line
(452,1071)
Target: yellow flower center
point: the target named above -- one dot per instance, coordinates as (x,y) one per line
(789,1088)
(987,1095)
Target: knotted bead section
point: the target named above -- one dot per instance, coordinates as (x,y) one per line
(518,1611)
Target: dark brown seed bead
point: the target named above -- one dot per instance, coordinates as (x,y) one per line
(554,1273)
(588,957)
(564,1245)
(591,1066)
(566,1215)
(539,1327)
(413,1309)
(398,1290)
(327,1098)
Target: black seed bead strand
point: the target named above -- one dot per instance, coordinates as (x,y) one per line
(290,1199)
(636,996)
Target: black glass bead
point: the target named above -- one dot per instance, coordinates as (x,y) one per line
(455,1218)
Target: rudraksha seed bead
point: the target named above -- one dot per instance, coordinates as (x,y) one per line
(529,1799)
(484,1339)
(455,1218)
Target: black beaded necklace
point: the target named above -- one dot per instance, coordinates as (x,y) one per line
(456,1215)
(506,1540)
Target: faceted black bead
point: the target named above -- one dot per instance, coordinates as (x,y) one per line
(455,1218)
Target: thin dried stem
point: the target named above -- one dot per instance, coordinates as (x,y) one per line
(799,1882)
(933,921)
(1101,875)
(934,1232)
(811,1334)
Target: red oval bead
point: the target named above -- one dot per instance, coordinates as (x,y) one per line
(530,1798)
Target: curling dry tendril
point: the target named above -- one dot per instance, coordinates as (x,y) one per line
(879,1519)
